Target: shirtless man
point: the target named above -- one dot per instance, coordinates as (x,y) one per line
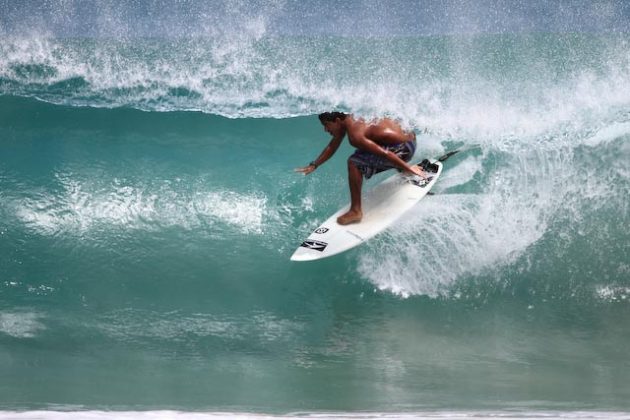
(381,145)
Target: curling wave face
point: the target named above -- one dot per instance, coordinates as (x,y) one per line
(532,112)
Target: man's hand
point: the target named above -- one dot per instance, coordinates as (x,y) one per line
(415,169)
(306,170)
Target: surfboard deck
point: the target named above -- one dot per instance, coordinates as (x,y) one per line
(387,202)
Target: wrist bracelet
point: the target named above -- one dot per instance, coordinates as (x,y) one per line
(313,164)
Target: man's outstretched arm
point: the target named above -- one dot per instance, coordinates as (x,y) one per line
(323,157)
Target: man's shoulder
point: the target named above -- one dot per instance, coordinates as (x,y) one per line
(375,128)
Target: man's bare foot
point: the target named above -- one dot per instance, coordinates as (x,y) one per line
(351,216)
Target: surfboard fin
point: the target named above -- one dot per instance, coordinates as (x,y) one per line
(448,155)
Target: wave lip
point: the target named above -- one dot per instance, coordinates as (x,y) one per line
(525,86)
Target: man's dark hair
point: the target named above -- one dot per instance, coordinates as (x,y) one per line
(331,116)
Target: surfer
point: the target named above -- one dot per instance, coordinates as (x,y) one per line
(381,145)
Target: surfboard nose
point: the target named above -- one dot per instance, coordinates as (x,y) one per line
(304,255)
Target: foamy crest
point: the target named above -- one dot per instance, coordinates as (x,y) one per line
(253,75)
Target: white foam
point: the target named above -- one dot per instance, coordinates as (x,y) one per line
(243,211)
(459,174)
(445,240)
(450,236)
(613,293)
(21,324)
(608,134)
(83,207)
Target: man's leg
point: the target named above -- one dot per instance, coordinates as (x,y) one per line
(355,179)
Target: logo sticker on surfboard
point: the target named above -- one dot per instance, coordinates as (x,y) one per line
(321,230)
(315,245)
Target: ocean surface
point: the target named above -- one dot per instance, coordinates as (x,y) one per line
(149,207)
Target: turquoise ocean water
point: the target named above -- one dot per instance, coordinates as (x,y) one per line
(148,210)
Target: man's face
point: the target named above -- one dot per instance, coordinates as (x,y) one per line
(335,128)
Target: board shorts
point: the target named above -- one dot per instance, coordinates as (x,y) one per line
(370,164)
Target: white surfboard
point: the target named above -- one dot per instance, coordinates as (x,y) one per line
(381,206)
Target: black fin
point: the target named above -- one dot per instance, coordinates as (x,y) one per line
(448,155)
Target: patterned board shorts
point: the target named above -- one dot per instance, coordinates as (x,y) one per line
(370,164)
